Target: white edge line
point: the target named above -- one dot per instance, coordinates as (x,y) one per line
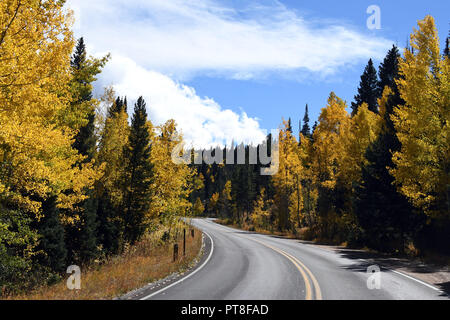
(414,279)
(188,276)
(409,277)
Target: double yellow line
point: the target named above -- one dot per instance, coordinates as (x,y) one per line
(305,272)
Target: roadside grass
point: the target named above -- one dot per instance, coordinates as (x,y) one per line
(149,260)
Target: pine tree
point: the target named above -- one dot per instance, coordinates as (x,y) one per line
(384,214)
(289,127)
(447,47)
(138,174)
(84,71)
(52,244)
(306,131)
(314,128)
(388,72)
(118,106)
(81,241)
(109,190)
(368,89)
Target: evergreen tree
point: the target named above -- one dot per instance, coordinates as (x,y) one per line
(289,128)
(109,190)
(52,243)
(383,213)
(306,131)
(81,240)
(368,89)
(388,71)
(314,128)
(138,171)
(447,47)
(84,71)
(118,106)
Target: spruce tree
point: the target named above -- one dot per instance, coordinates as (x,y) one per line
(81,237)
(314,127)
(139,172)
(447,47)
(84,71)
(109,210)
(52,245)
(384,214)
(306,131)
(368,89)
(289,127)
(117,107)
(388,71)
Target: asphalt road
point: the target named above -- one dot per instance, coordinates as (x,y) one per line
(239,265)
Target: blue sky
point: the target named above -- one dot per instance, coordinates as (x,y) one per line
(277,97)
(227,70)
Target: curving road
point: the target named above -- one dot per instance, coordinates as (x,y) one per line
(240,265)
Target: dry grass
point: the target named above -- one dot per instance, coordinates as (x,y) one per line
(141,264)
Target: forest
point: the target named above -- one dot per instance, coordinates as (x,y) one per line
(84,178)
(376,177)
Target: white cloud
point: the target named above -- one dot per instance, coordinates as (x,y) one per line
(153,42)
(184,38)
(202,121)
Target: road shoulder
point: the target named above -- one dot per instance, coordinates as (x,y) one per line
(154,287)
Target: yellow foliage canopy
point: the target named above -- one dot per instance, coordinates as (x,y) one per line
(423,124)
(36,154)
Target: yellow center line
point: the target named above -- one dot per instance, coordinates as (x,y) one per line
(313,278)
(301,267)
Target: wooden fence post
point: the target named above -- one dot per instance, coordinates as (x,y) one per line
(184,242)
(175,252)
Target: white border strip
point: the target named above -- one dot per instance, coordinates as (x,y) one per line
(188,276)
(417,280)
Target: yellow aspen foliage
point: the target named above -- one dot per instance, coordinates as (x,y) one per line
(198,207)
(423,123)
(36,154)
(225,200)
(357,134)
(171,185)
(287,180)
(328,143)
(114,135)
(261,214)
(213,204)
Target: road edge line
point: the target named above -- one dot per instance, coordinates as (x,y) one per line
(186,277)
(414,279)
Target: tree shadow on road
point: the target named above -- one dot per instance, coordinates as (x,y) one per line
(391,262)
(439,276)
(445,287)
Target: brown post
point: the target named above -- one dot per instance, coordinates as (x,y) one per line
(184,242)
(175,252)
(192,233)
